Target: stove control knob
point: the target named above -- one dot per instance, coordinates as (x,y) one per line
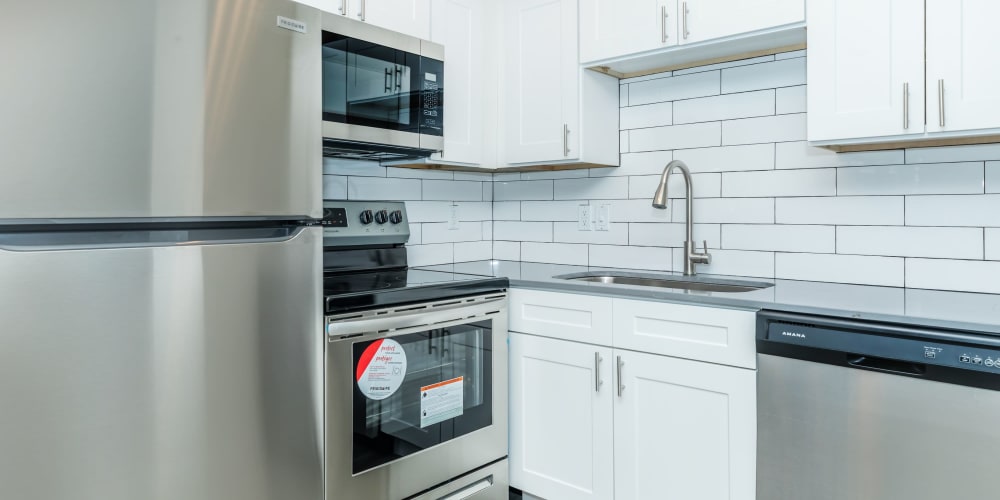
(381,216)
(366,217)
(396,216)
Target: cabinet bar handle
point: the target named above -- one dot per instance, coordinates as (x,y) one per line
(343,7)
(621,386)
(597,372)
(663,24)
(684,19)
(361,14)
(941,102)
(565,139)
(906,105)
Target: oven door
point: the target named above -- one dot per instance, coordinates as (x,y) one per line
(416,396)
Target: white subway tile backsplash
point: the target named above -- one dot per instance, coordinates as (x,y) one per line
(779,128)
(978,152)
(841,210)
(779,238)
(382,188)
(614,256)
(488,230)
(640,210)
(623,95)
(567,232)
(705,185)
(507,250)
(772,183)
(790,100)
(956,210)
(554,253)
(551,210)
(934,178)
(487,191)
(334,187)
(992,244)
(856,269)
(842,296)
(648,163)
(623,142)
(415,234)
(522,231)
(430,255)
(723,65)
(789,155)
(522,190)
(696,135)
(507,210)
(647,115)
(784,73)
(441,232)
(452,190)
(473,250)
(732,263)
(727,158)
(674,88)
(721,107)
(671,235)
(608,188)
(993,177)
(727,210)
(955,275)
(419,173)
(933,242)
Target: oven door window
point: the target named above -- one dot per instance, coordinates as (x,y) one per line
(439,389)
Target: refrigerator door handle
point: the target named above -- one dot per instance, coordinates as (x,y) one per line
(112,239)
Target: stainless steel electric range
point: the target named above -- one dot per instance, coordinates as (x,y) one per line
(416,367)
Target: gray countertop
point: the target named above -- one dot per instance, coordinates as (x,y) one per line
(930,308)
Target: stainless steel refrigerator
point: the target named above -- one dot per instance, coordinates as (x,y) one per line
(160,294)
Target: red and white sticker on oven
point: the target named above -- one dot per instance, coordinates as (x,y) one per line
(381,369)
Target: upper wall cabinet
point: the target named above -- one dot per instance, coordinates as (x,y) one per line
(876,91)
(554,112)
(632,37)
(412,17)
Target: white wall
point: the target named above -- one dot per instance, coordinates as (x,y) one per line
(429,195)
(769,205)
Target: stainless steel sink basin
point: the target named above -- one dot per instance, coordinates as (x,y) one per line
(693,284)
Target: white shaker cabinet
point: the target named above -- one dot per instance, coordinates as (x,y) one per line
(701,20)
(684,429)
(553,111)
(412,17)
(963,77)
(612,28)
(865,86)
(561,445)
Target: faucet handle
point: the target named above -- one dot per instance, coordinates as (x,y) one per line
(705,258)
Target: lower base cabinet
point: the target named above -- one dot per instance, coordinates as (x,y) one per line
(591,422)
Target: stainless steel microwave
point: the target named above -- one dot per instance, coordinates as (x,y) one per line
(382,92)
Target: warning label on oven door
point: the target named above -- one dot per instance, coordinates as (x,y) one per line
(441,401)
(381,369)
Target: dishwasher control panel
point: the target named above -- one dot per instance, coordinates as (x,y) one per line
(902,348)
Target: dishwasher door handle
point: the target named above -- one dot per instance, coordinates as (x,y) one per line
(887,365)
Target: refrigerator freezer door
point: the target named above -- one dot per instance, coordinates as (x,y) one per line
(167,108)
(163,371)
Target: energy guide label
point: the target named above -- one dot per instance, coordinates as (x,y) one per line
(381,369)
(441,401)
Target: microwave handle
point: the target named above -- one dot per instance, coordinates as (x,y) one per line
(412,319)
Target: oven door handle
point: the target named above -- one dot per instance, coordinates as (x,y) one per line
(403,322)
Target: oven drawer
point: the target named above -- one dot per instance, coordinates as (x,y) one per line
(488,483)
(711,334)
(568,316)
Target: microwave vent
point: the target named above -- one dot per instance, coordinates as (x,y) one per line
(352,150)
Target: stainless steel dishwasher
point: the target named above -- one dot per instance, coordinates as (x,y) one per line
(858,410)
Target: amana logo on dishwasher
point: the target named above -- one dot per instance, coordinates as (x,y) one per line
(793,334)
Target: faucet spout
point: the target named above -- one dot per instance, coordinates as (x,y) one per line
(691,254)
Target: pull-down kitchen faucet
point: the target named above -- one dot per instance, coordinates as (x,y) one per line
(691,255)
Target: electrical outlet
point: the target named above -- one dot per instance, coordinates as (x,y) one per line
(603,217)
(584,218)
(453,217)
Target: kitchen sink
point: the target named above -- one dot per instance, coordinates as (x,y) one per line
(682,283)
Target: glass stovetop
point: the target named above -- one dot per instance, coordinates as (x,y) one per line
(382,288)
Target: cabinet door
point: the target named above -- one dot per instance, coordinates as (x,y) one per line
(542,79)
(335,6)
(863,56)
(962,39)
(708,19)
(612,28)
(561,444)
(459,26)
(412,17)
(684,429)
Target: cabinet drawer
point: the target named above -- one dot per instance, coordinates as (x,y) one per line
(581,318)
(723,336)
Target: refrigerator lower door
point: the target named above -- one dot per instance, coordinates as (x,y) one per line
(163,369)
(160,108)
